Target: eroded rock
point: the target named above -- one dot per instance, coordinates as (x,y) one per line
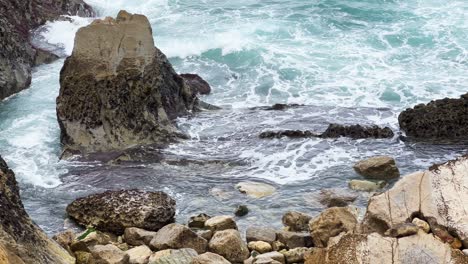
(296,221)
(379,168)
(260,234)
(197,83)
(209,258)
(256,189)
(332,222)
(294,239)
(136,236)
(109,254)
(176,236)
(220,222)
(229,244)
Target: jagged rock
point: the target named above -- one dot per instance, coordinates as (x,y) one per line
(296,255)
(296,221)
(272,255)
(439,119)
(209,258)
(176,236)
(336,198)
(44,57)
(379,168)
(139,255)
(136,236)
(17,19)
(198,221)
(206,234)
(228,243)
(220,222)
(278,246)
(357,131)
(181,256)
(439,194)
(21,241)
(294,239)
(259,246)
(83,257)
(260,234)
(65,239)
(288,133)
(91,238)
(402,230)
(108,254)
(332,222)
(423,225)
(119,90)
(256,189)
(114,211)
(197,83)
(366,186)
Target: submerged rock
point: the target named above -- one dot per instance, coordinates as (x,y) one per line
(288,133)
(119,90)
(379,168)
(366,186)
(114,211)
(336,197)
(197,83)
(256,189)
(439,119)
(21,241)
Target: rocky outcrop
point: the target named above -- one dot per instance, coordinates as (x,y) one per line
(114,211)
(197,83)
(334,131)
(119,90)
(439,119)
(21,241)
(17,19)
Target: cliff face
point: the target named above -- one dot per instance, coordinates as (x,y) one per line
(17,19)
(119,90)
(21,241)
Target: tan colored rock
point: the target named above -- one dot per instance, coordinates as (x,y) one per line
(139,255)
(65,239)
(256,189)
(209,258)
(229,244)
(176,236)
(423,225)
(221,222)
(402,230)
(366,186)
(136,236)
(272,255)
(278,246)
(198,221)
(260,234)
(159,254)
(90,238)
(379,168)
(259,246)
(296,255)
(294,239)
(108,254)
(336,197)
(296,221)
(180,256)
(84,257)
(332,222)
(265,261)
(206,234)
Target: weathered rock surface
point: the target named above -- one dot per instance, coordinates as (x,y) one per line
(109,254)
(196,83)
(119,90)
(139,255)
(181,256)
(220,222)
(439,194)
(136,236)
(296,255)
(260,234)
(439,119)
(256,189)
(357,131)
(402,230)
(366,186)
(198,221)
(294,239)
(114,211)
(332,222)
(296,221)
(259,246)
(176,236)
(229,244)
(336,197)
(288,133)
(17,19)
(21,241)
(379,168)
(209,258)
(271,255)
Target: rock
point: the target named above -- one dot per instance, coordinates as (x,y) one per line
(379,168)
(44,57)
(136,236)
(332,222)
(196,83)
(206,234)
(241,210)
(139,255)
(114,211)
(181,256)
(65,239)
(402,230)
(439,119)
(296,255)
(119,91)
(336,198)
(17,19)
(162,253)
(265,261)
(423,225)
(108,254)
(366,186)
(84,257)
(277,107)
(256,189)
(229,244)
(209,258)
(465,251)
(294,239)
(278,246)
(272,255)
(288,133)
(259,246)
(296,221)
(90,238)
(198,221)
(176,236)
(357,132)
(221,222)
(436,193)
(21,241)
(440,231)
(260,234)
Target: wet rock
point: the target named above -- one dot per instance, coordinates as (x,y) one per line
(294,239)
(114,211)
(402,230)
(136,236)
(423,225)
(366,186)
(440,231)
(108,254)
(119,90)
(241,210)
(139,255)
(176,236)
(259,246)
(336,198)
(209,258)
(260,234)
(256,189)
(379,168)
(196,83)
(439,119)
(357,132)
(296,221)
(332,222)
(65,239)
(21,241)
(272,255)
(229,244)
(221,222)
(44,57)
(198,221)
(288,133)
(296,255)
(181,256)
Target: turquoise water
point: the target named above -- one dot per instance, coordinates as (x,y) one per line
(347,61)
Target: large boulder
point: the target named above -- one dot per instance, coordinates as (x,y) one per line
(21,241)
(439,119)
(17,19)
(176,236)
(438,194)
(119,90)
(114,211)
(229,244)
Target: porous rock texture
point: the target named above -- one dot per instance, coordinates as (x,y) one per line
(17,19)
(114,211)
(118,90)
(21,241)
(439,119)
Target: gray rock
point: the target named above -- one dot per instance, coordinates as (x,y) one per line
(197,83)
(229,244)
(181,256)
(108,254)
(294,239)
(336,197)
(139,255)
(296,255)
(206,234)
(176,236)
(260,234)
(366,186)
(136,236)
(198,221)
(331,223)
(221,222)
(379,168)
(256,189)
(272,255)
(296,221)
(209,258)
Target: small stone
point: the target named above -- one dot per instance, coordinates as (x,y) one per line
(109,254)
(296,254)
(278,246)
(331,223)
(379,168)
(209,258)
(260,234)
(139,255)
(456,244)
(256,189)
(465,251)
(366,186)
(259,246)
(294,239)
(336,197)
(402,230)
(423,225)
(159,254)
(198,221)
(272,255)
(229,244)
(296,221)
(90,238)
(221,222)
(181,256)
(176,236)
(136,236)
(241,210)
(82,257)
(122,246)
(206,234)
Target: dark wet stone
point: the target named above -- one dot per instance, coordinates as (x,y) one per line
(288,133)
(241,210)
(357,131)
(197,83)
